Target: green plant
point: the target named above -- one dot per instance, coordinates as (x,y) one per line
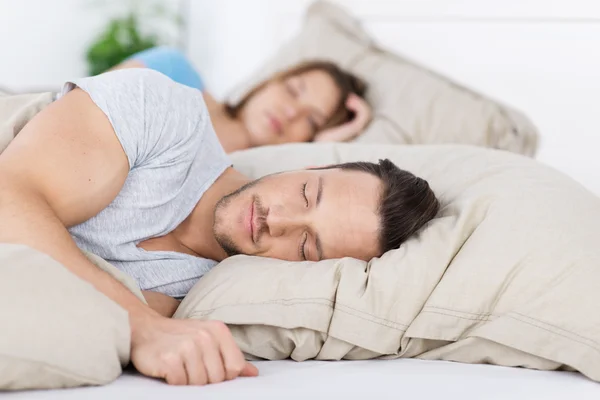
(124,35)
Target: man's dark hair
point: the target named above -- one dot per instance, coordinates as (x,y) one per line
(407,202)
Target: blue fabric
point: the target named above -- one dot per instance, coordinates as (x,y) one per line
(172,63)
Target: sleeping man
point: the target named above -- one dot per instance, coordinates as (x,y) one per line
(126,165)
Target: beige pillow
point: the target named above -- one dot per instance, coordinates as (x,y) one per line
(17,110)
(507,274)
(411,105)
(57,330)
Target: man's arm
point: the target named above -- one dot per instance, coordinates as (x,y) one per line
(64,167)
(161,303)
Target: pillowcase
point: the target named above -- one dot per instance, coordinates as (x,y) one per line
(17,110)
(506,274)
(411,104)
(57,330)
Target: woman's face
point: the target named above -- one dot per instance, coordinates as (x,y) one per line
(293,109)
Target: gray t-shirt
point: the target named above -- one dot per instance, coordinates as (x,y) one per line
(174,157)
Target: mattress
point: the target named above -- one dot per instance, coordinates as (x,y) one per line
(374,379)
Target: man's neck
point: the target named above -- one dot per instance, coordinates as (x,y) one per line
(196,231)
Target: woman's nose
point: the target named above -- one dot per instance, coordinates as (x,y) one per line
(291,111)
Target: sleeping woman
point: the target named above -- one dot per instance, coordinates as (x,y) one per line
(314,101)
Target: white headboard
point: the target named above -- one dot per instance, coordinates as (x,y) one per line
(542,56)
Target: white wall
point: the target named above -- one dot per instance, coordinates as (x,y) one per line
(539,55)
(230,38)
(43,42)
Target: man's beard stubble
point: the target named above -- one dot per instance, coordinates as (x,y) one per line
(225,241)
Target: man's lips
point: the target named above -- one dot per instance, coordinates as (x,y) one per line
(258,221)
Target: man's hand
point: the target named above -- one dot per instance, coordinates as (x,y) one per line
(351,129)
(186,352)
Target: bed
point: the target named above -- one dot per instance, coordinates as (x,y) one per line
(494,52)
(353,379)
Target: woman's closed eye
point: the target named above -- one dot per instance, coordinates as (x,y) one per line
(291,89)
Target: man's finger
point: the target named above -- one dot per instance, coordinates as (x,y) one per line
(175,373)
(195,369)
(233,359)
(213,362)
(249,370)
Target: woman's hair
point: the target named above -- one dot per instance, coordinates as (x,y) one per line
(346,82)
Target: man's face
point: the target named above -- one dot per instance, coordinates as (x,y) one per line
(302,215)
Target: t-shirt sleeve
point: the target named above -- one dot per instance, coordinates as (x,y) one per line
(152,116)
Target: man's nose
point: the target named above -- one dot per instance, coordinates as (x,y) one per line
(281,222)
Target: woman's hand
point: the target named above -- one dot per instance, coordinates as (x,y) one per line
(351,129)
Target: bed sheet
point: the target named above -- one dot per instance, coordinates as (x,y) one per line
(374,379)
